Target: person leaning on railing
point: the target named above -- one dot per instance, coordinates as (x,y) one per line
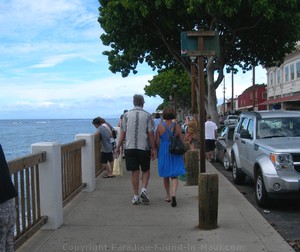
(7,206)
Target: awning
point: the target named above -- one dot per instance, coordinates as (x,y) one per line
(245,107)
(282,99)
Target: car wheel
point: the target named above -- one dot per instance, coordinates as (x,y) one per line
(226,162)
(261,195)
(237,175)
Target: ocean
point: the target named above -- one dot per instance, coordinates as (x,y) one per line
(16,136)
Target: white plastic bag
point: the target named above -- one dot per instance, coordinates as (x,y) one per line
(117,169)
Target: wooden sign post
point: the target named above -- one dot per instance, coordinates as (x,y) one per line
(200,44)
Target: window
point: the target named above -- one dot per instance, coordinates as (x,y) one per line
(250,128)
(286,73)
(224,131)
(298,69)
(244,124)
(272,79)
(292,69)
(264,95)
(279,75)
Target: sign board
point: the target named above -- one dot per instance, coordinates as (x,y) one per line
(189,43)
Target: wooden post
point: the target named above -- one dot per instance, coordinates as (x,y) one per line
(201,110)
(193,70)
(207,183)
(208,201)
(192,167)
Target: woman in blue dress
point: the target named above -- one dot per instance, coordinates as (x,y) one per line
(170,166)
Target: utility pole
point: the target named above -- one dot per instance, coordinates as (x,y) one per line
(232,90)
(224,98)
(253,86)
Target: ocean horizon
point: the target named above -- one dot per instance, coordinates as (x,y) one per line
(17,135)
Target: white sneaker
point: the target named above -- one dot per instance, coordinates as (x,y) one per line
(145,196)
(135,201)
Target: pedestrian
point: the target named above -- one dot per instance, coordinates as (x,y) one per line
(170,166)
(210,138)
(120,125)
(107,158)
(191,136)
(137,130)
(112,131)
(7,206)
(121,117)
(157,120)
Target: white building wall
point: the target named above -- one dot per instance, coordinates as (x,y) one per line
(285,80)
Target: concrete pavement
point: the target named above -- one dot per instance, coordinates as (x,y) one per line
(106,220)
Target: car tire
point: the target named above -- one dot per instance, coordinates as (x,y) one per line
(226,162)
(237,175)
(261,194)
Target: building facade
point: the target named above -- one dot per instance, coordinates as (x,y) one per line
(246,102)
(283,87)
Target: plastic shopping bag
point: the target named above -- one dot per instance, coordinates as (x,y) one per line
(117,169)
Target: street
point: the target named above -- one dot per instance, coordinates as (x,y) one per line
(284,215)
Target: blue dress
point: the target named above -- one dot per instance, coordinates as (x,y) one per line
(169,165)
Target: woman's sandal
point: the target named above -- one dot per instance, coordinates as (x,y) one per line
(173,203)
(106,176)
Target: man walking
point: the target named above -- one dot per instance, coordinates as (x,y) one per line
(137,130)
(210,138)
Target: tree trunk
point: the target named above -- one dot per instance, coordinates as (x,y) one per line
(211,91)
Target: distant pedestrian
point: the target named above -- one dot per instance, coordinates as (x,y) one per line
(170,166)
(157,120)
(210,138)
(191,136)
(120,125)
(121,117)
(137,130)
(107,158)
(7,207)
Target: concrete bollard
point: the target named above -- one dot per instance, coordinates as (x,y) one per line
(192,167)
(208,201)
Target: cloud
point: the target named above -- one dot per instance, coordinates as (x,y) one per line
(54,60)
(52,64)
(107,97)
(241,81)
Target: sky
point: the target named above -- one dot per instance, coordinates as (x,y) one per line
(52,65)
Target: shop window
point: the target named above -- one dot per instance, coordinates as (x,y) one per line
(286,73)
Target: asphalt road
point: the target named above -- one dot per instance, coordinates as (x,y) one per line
(283,215)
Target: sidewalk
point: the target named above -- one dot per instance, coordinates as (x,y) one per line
(106,220)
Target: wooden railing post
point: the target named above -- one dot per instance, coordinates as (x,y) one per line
(50,183)
(88,161)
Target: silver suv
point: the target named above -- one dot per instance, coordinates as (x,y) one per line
(231,119)
(267,149)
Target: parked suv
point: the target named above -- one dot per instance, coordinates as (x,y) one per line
(267,148)
(231,119)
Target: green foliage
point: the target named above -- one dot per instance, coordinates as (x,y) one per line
(252,32)
(164,83)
